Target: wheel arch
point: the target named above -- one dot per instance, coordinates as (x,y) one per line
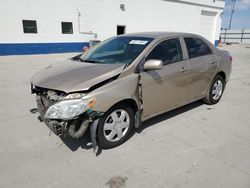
(131,102)
(222,74)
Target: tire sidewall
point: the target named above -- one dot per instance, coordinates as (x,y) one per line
(102,141)
(216,78)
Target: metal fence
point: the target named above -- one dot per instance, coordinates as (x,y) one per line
(235,36)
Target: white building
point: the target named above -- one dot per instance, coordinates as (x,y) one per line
(52,26)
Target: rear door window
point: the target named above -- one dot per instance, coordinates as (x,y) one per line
(168,51)
(197,47)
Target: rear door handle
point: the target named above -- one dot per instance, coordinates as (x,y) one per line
(212,62)
(183,69)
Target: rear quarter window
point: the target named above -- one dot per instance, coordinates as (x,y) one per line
(197,47)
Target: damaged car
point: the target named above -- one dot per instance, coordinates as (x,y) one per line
(126,80)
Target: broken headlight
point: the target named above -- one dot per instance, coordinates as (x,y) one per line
(67,109)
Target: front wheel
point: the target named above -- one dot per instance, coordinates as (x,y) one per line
(115,126)
(215,91)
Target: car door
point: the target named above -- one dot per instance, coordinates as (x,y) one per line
(165,88)
(202,66)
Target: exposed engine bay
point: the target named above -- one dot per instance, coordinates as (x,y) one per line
(74,127)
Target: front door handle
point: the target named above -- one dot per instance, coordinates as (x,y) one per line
(183,69)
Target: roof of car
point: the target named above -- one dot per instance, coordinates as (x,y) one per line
(157,34)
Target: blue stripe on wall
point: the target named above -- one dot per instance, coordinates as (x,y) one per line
(40,48)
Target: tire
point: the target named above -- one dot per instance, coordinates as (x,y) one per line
(115,126)
(215,91)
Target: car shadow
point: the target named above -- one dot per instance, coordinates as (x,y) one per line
(73,144)
(85,142)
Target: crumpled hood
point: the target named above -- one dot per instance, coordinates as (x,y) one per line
(70,76)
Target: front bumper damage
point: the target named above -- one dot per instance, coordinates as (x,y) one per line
(75,127)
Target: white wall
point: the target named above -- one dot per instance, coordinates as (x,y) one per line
(101,17)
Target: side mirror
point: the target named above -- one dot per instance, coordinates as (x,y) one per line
(153,64)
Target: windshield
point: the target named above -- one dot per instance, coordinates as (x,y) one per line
(116,50)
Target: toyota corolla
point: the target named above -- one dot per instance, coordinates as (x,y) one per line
(127,79)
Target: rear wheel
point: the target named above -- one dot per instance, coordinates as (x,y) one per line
(215,91)
(115,126)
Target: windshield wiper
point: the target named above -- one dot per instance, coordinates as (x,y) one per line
(77,58)
(91,61)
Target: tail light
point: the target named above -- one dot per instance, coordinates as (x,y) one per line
(230,59)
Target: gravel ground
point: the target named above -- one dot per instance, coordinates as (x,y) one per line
(195,146)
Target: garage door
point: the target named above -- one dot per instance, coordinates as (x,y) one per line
(207,25)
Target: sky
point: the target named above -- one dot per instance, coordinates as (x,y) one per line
(241,17)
